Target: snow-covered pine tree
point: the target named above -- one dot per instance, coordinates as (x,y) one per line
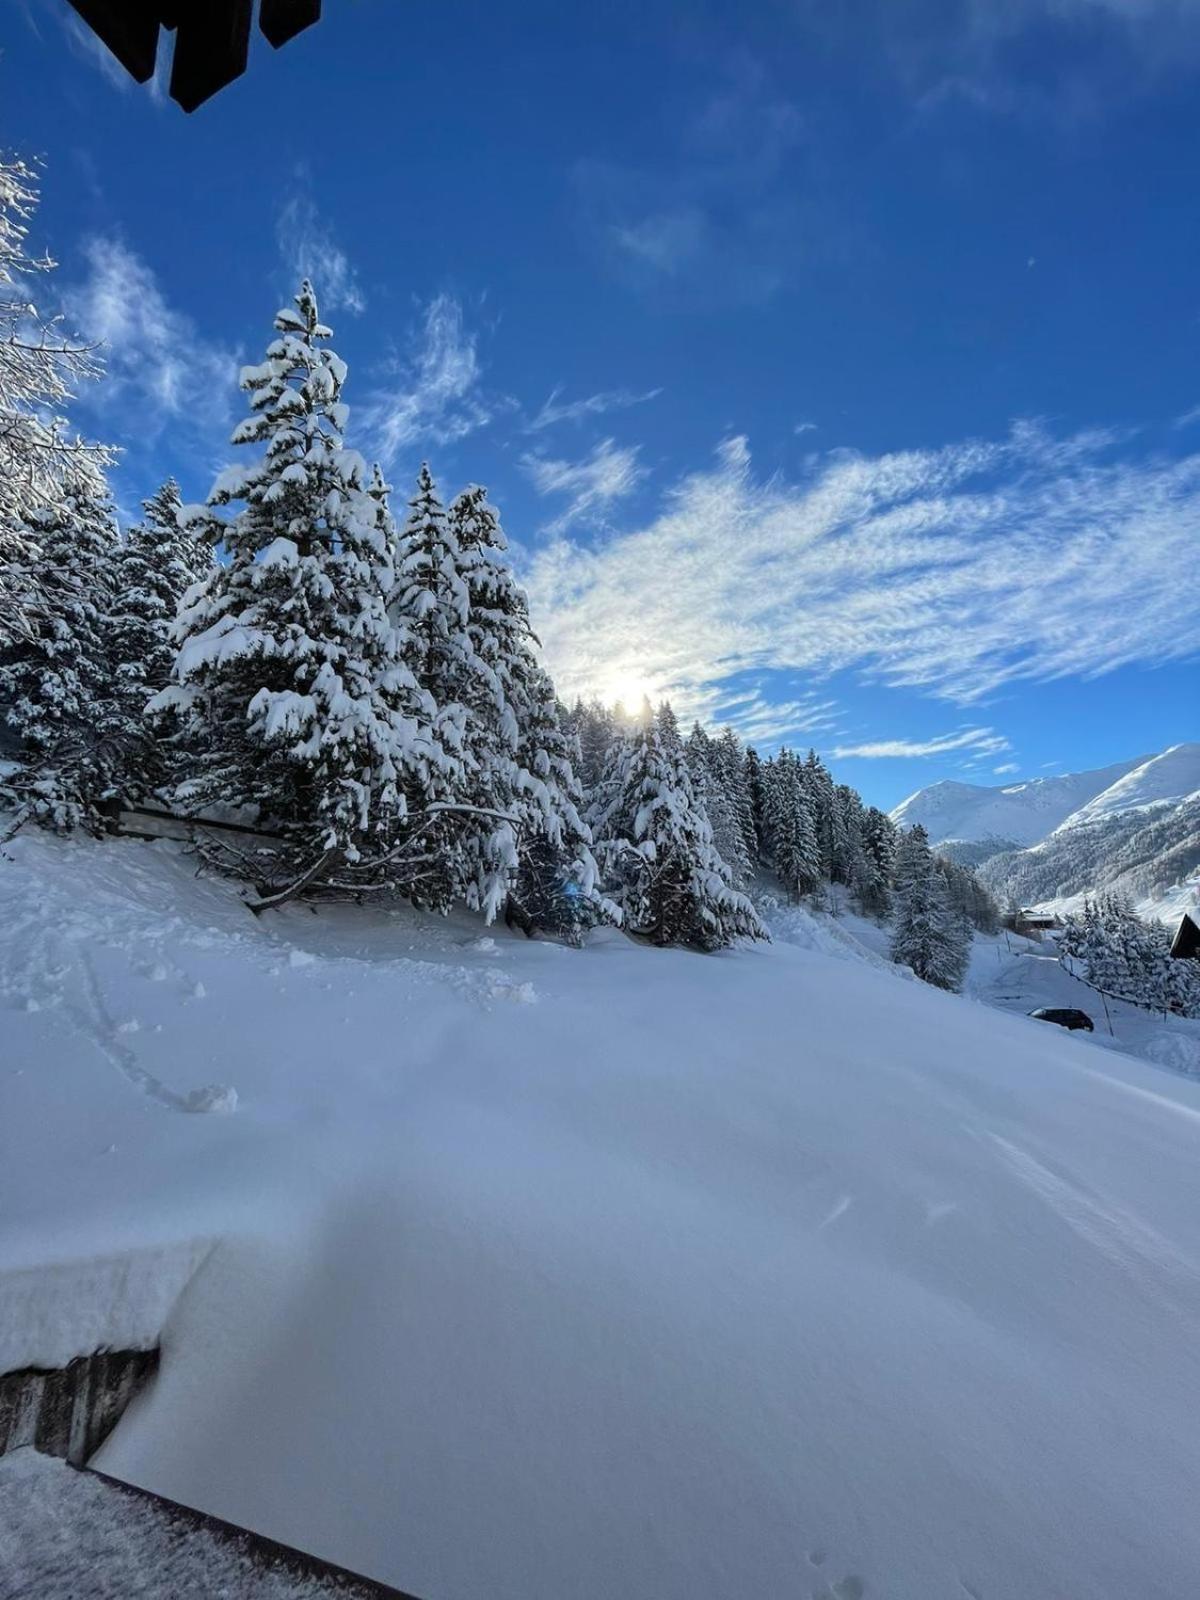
(521,755)
(879,852)
(927,935)
(708,783)
(595,727)
(294,681)
(790,826)
(43,468)
(156,564)
(1124,955)
(657,848)
(62,721)
(732,768)
(756,790)
(558,881)
(819,786)
(969,897)
(852,866)
(431,603)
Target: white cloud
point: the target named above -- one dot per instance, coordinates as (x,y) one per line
(805,427)
(437,395)
(309,250)
(89,47)
(1007,766)
(970,52)
(159,369)
(591,485)
(722,218)
(980,741)
(555,410)
(955,572)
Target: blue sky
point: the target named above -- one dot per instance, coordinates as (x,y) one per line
(836,368)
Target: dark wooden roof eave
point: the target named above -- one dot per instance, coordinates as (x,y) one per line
(212,40)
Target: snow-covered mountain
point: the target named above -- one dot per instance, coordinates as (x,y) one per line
(1027,813)
(1163,779)
(1013,813)
(1134,827)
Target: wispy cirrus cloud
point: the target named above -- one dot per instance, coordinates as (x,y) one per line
(436,393)
(160,370)
(88,46)
(956,572)
(607,474)
(555,409)
(723,218)
(978,741)
(308,249)
(1056,60)
(1006,767)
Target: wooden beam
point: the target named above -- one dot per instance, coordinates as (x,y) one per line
(281,20)
(212,45)
(129,28)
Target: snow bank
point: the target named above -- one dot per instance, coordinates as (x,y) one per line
(55,1311)
(764,1273)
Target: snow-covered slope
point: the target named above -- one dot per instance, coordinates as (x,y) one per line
(1163,779)
(1149,854)
(1016,813)
(541,1273)
(1134,827)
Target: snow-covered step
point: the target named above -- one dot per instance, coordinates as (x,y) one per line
(68,1533)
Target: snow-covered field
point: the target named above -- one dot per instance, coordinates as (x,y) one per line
(526,1272)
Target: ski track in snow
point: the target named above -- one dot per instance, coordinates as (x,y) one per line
(1116,1233)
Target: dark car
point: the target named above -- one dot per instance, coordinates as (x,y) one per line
(1065,1016)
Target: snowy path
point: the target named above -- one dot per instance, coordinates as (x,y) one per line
(764,1274)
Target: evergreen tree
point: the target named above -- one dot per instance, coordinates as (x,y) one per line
(44,471)
(558,882)
(431,604)
(657,848)
(790,826)
(756,792)
(1123,955)
(731,767)
(295,685)
(708,783)
(521,754)
(968,896)
(156,564)
(819,787)
(879,852)
(56,700)
(927,935)
(595,727)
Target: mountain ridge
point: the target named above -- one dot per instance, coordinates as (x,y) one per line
(1021,813)
(1134,828)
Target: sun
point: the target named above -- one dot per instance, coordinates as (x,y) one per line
(628,689)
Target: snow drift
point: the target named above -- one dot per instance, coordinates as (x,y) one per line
(764,1273)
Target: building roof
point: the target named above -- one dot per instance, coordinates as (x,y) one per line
(1187,938)
(212,41)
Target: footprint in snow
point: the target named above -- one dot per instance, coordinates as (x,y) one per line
(850,1587)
